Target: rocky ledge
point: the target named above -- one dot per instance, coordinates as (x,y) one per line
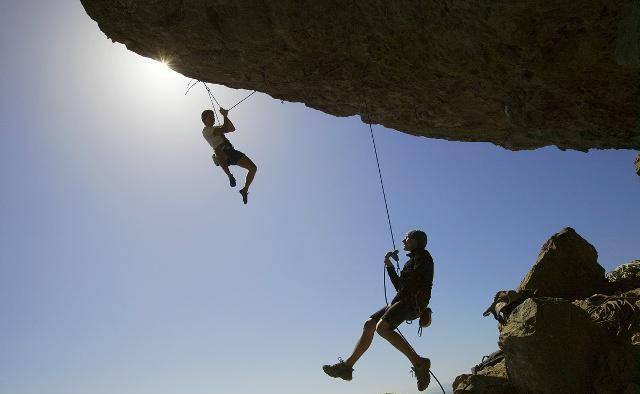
(568,328)
(519,74)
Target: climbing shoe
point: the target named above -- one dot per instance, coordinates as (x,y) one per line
(245,195)
(421,372)
(232,181)
(340,370)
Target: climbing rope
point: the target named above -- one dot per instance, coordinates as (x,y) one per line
(236,104)
(386,205)
(212,98)
(384,194)
(393,241)
(434,376)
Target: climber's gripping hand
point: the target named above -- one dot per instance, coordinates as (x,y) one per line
(390,255)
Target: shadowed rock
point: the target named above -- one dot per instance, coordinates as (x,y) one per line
(567,267)
(573,344)
(553,346)
(490,380)
(547,346)
(519,74)
(625,277)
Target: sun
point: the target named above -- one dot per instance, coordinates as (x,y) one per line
(163,64)
(159,68)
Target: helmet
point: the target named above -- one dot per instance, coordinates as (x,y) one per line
(419,236)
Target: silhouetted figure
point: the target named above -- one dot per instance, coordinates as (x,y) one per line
(413,287)
(225,154)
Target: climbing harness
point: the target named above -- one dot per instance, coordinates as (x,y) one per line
(393,241)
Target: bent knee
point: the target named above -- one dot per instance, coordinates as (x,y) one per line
(370,325)
(382,327)
(251,166)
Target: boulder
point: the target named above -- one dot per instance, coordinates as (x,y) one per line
(553,346)
(567,267)
(490,380)
(548,347)
(626,277)
(636,370)
(616,367)
(618,315)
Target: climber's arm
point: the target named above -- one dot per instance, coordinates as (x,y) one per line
(227,125)
(391,270)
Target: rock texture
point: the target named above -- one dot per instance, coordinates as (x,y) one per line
(519,74)
(626,277)
(562,344)
(547,346)
(491,380)
(567,267)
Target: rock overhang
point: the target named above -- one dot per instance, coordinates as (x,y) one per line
(521,75)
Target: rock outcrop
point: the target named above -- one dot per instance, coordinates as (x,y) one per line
(490,380)
(520,74)
(547,344)
(567,267)
(560,341)
(626,277)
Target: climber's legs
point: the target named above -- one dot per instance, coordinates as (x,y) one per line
(364,342)
(384,329)
(250,166)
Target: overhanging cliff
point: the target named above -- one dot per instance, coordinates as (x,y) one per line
(519,74)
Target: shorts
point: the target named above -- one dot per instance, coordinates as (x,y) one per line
(232,155)
(396,313)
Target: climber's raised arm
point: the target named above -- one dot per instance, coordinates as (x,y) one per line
(227,125)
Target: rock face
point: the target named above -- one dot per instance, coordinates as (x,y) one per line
(567,267)
(553,346)
(491,380)
(626,277)
(548,345)
(519,74)
(570,343)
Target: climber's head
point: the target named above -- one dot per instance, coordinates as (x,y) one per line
(208,118)
(415,240)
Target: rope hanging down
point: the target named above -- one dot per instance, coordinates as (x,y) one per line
(386,205)
(384,194)
(393,241)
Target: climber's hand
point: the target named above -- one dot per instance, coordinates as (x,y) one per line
(390,255)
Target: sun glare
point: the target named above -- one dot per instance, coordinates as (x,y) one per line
(164,63)
(159,68)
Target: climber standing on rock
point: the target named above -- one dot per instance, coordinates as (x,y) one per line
(413,287)
(225,154)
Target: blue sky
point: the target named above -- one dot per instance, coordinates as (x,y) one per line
(127,265)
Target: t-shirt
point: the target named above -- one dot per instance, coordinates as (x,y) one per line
(213,136)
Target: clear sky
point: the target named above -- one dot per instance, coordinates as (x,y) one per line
(128,266)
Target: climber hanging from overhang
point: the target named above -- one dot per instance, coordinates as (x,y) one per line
(413,287)
(225,154)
